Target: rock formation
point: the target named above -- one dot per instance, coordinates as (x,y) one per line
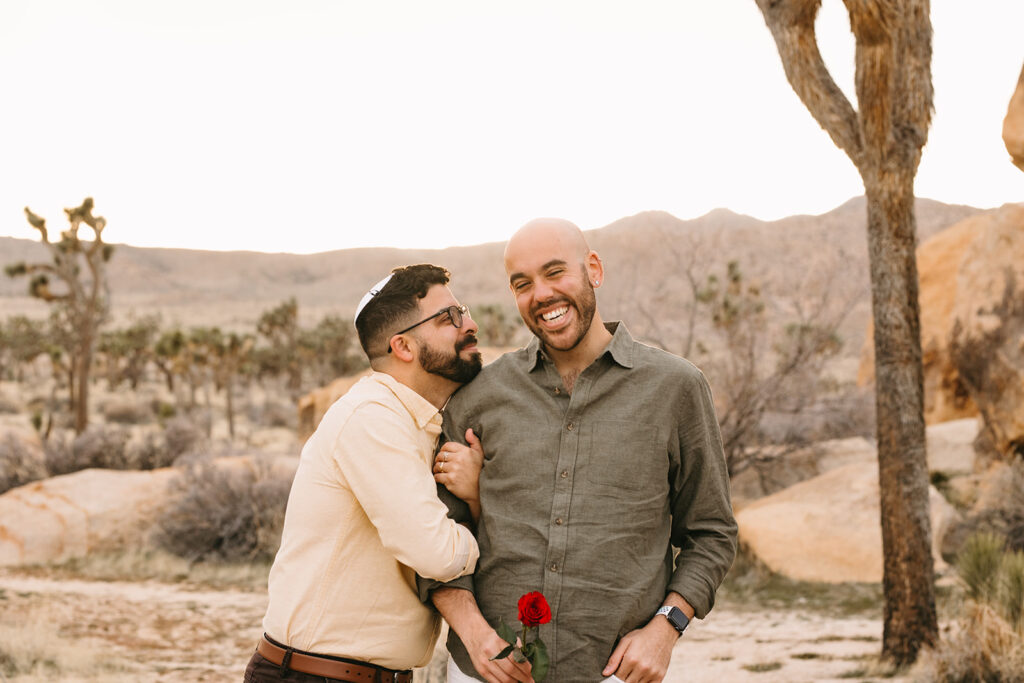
(1013,125)
(964,273)
(72,515)
(987,339)
(827,528)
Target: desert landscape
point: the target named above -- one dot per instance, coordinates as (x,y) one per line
(138,549)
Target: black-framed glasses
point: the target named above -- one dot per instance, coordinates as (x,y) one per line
(455,314)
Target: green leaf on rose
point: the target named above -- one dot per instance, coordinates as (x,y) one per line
(504,653)
(506,632)
(539,660)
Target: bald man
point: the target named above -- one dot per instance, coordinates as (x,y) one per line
(602,455)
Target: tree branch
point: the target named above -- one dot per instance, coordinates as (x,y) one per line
(791,23)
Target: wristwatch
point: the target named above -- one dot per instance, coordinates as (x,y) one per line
(676,617)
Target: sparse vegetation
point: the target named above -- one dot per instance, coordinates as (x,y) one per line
(35,647)
(18,464)
(82,300)
(987,642)
(226,512)
(751,582)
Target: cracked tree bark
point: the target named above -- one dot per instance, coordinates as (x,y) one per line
(884,138)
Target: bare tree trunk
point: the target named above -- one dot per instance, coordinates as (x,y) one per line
(228,392)
(908,576)
(884,140)
(83,360)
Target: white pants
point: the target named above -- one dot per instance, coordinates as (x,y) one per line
(455,675)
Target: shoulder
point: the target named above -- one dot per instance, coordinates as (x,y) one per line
(365,407)
(657,361)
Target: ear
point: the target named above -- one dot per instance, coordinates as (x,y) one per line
(402,349)
(595,268)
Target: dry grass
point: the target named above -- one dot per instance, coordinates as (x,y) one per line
(983,647)
(158,565)
(36,649)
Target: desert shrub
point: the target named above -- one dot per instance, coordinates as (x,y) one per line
(982,647)
(278,414)
(1011,588)
(978,564)
(103,446)
(184,435)
(151,452)
(128,412)
(18,464)
(225,512)
(164,410)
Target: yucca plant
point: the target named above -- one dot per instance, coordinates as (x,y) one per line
(1012,589)
(978,563)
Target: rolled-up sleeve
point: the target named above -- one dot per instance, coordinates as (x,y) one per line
(703,526)
(396,489)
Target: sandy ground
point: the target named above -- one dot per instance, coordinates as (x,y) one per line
(160,632)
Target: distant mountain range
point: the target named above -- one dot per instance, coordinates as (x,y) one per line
(646,258)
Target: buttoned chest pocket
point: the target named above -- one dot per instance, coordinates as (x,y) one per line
(626,455)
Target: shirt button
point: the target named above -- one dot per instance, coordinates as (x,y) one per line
(558,390)
(564,473)
(554,567)
(570,426)
(558,521)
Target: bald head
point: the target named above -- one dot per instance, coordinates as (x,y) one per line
(554,235)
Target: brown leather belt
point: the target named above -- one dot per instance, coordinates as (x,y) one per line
(329,667)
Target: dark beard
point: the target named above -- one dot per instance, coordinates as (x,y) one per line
(452,367)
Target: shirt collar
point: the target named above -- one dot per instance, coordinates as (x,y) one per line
(620,348)
(423,412)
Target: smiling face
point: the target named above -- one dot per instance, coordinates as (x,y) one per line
(551,273)
(445,350)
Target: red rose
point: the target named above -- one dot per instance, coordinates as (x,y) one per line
(534,610)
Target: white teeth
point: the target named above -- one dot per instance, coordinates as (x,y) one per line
(555,314)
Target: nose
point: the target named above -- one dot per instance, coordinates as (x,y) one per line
(542,291)
(469,325)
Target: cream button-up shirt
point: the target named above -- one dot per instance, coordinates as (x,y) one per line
(363,519)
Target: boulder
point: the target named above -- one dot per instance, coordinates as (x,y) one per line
(827,528)
(938,261)
(988,332)
(950,446)
(967,273)
(72,515)
(314,405)
(1013,124)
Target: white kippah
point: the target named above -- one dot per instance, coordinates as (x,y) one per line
(368,297)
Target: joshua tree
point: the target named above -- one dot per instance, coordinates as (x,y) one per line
(280,326)
(82,297)
(884,140)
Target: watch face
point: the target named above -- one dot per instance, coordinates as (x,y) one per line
(678,619)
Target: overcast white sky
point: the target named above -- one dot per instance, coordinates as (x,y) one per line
(312,125)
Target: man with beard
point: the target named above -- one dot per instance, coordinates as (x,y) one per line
(602,455)
(363,516)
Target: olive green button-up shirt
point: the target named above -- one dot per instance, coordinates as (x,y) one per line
(584,495)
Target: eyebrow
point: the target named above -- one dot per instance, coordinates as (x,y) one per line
(553,262)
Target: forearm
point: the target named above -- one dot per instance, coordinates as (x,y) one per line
(459,609)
